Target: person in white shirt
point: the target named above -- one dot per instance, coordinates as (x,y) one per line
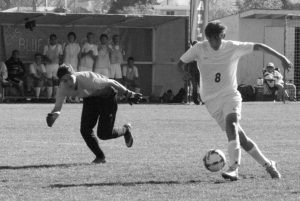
(71,51)
(116,58)
(89,51)
(102,63)
(217,61)
(131,75)
(37,72)
(3,76)
(53,53)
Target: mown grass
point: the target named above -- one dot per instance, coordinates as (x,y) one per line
(38,163)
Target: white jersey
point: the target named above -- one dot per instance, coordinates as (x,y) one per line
(217,68)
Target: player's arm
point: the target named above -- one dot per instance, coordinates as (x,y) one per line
(131,96)
(267,49)
(54,114)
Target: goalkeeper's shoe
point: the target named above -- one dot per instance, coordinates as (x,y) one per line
(127,136)
(272,170)
(232,174)
(99,160)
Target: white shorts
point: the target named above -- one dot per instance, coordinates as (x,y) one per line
(221,106)
(102,71)
(115,71)
(51,70)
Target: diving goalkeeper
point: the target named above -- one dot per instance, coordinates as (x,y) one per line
(99,104)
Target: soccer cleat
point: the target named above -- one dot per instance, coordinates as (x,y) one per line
(272,170)
(231,174)
(127,136)
(99,160)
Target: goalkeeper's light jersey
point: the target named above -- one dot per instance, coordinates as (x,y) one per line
(217,68)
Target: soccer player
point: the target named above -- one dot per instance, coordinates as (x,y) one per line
(116,58)
(99,104)
(217,60)
(53,52)
(71,51)
(37,72)
(102,63)
(89,51)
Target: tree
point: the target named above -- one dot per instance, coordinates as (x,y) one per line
(121,6)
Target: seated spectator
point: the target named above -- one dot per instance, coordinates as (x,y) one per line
(16,71)
(37,72)
(180,96)
(279,83)
(131,75)
(167,97)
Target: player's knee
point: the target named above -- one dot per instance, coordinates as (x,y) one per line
(49,82)
(104,135)
(86,132)
(55,82)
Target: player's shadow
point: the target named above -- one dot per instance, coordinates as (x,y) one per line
(133,183)
(67,165)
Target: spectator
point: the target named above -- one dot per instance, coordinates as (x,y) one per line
(89,51)
(167,97)
(16,71)
(3,73)
(71,51)
(131,75)
(3,76)
(116,58)
(102,64)
(53,53)
(279,83)
(37,72)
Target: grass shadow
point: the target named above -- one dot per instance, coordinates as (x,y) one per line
(67,165)
(133,183)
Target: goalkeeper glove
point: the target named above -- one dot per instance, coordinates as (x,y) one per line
(133,97)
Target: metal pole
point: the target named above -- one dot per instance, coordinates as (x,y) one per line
(284,52)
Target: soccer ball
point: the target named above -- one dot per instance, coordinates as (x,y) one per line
(214,160)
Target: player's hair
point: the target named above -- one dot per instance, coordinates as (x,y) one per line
(38,55)
(103,36)
(130,59)
(52,35)
(64,69)
(14,52)
(214,28)
(89,34)
(72,34)
(115,36)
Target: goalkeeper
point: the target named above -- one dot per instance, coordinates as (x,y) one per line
(99,104)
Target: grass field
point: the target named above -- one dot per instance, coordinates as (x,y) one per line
(165,163)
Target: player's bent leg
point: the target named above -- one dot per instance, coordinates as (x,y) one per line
(253,150)
(106,130)
(234,150)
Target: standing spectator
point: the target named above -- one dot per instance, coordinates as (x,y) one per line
(3,76)
(37,72)
(16,71)
(102,63)
(116,58)
(131,75)
(71,51)
(89,51)
(53,53)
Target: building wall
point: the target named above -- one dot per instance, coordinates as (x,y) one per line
(256,30)
(170,42)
